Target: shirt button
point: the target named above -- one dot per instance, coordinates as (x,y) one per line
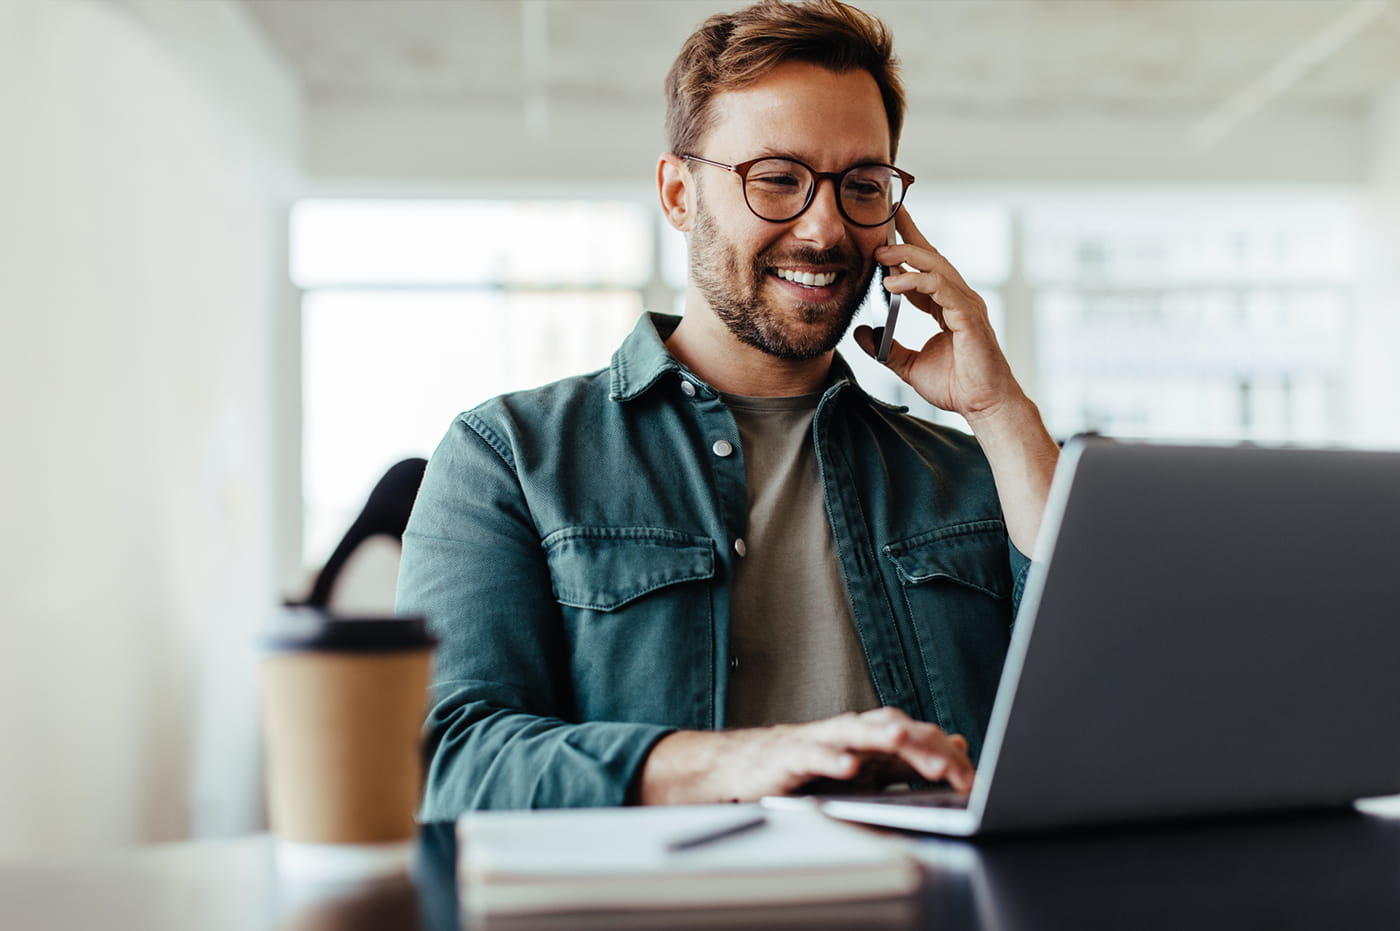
(687,387)
(723,448)
(734,663)
(741,547)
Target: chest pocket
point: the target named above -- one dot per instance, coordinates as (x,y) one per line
(972,555)
(607,568)
(957,591)
(637,608)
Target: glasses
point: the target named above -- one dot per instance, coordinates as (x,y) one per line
(781,189)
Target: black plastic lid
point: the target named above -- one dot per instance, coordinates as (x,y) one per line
(301,627)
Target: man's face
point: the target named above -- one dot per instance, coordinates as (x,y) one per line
(742,264)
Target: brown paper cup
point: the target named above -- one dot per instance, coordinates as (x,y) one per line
(342,722)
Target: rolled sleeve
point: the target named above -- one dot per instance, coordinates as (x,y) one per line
(1020,569)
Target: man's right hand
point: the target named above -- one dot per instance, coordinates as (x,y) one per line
(871,749)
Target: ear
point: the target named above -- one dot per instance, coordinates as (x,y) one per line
(677,190)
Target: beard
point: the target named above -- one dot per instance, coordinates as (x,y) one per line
(734,289)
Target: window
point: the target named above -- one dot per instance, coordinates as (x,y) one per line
(1219,319)
(416,311)
(1190,316)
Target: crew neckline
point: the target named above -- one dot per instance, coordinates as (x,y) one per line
(799,402)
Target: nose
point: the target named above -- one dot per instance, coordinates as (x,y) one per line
(821,223)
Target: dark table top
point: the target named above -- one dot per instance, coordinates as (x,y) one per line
(1326,870)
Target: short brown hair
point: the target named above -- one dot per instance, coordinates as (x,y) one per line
(732,50)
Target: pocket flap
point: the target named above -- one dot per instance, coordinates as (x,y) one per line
(604,568)
(972,554)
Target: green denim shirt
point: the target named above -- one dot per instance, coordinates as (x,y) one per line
(573,547)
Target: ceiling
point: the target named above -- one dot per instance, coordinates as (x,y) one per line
(1209,65)
(990,54)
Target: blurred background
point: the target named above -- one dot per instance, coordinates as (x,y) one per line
(254,252)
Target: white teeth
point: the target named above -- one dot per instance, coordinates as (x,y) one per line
(809,279)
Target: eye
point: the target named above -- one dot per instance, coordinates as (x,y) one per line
(864,189)
(776,181)
(779,178)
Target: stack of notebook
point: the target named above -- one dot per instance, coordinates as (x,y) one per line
(610,860)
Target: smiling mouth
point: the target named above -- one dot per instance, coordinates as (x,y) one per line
(806,279)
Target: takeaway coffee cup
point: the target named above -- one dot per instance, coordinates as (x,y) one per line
(342,707)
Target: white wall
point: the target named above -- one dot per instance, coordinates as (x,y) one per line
(1378,330)
(146,170)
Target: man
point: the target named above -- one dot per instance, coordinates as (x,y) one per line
(717,569)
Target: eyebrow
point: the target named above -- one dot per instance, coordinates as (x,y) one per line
(792,156)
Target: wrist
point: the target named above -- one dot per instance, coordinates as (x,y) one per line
(1022,455)
(1008,417)
(683,767)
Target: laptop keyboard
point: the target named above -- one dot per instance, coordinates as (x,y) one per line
(936,799)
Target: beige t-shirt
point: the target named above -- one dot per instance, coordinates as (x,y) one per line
(795,653)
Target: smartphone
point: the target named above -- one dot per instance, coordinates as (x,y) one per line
(892,301)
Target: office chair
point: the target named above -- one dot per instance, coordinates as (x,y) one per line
(384,514)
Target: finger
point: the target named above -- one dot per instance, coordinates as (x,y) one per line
(899,360)
(929,744)
(908,231)
(925,303)
(940,757)
(867,339)
(926,748)
(891,731)
(922,260)
(916,250)
(963,778)
(806,758)
(933,284)
(879,731)
(887,730)
(935,767)
(953,305)
(886,769)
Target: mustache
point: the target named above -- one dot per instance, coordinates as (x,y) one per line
(843,258)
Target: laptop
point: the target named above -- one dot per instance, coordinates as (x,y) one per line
(1207,631)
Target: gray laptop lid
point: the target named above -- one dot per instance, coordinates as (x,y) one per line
(1206,630)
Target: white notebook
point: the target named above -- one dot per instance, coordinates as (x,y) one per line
(608,859)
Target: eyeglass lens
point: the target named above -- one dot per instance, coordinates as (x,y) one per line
(778,188)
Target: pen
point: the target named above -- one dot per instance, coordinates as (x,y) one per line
(709,835)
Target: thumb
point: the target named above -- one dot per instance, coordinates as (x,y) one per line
(900,360)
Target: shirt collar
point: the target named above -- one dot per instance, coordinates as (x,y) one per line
(642,359)
(842,377)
